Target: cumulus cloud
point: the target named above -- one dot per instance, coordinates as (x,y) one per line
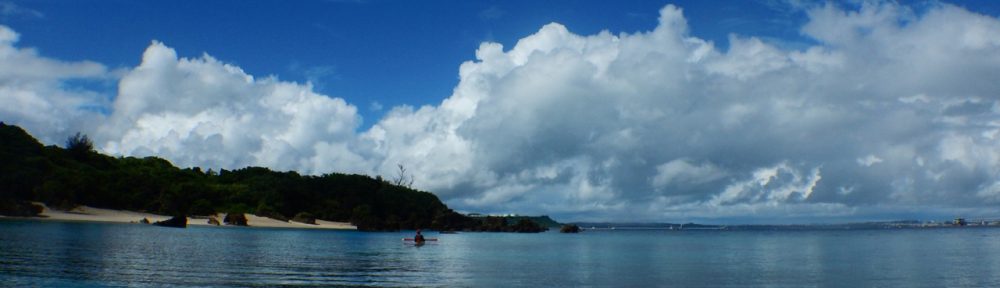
(682,171)
(204,112)
(891,112)
(33,96)
(891,108)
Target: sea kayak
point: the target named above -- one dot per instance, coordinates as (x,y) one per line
(425,239)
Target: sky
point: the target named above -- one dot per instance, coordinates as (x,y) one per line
(647,111)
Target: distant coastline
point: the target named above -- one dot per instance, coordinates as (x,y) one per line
(901,224)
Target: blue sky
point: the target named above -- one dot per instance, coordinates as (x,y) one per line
(715,111)
(353,49)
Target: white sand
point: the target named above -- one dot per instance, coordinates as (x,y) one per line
(257,221)
(86,213)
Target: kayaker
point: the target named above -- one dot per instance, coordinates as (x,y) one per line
(419,238)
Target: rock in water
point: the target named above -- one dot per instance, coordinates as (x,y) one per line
(236,219)
(144,220)
(570,228)
(213,221)
(176,221)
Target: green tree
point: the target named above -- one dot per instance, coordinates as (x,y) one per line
(79,146)
(363,217)
(202,207)
(76,174)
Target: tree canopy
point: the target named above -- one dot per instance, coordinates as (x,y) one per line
(77,175)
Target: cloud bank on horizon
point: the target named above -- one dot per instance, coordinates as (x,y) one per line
(890,112)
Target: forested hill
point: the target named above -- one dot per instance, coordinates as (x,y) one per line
(77,175)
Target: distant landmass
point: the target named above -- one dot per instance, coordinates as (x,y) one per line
(645,226)
(960,222)
(543,221)
(77,175)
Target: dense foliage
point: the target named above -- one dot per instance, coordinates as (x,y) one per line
(80,176)
(543,221)
(502,224)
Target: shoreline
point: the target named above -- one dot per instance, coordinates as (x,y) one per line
(91,214)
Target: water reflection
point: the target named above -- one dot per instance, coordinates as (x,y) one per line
(72,254)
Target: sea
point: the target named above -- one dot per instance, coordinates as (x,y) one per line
(84,254)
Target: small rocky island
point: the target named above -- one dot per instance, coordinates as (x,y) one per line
(235,219)
(569,228)
(179,221)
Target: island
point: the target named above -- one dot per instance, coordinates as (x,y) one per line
(78,183)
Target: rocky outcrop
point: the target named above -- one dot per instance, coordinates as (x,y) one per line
(527,226)
(176,222)
(235,219)
(18,208)
(569,228)
(213,221)
(305,217)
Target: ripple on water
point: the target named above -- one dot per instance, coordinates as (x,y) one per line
(54,254)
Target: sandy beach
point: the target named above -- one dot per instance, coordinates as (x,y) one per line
(86,213)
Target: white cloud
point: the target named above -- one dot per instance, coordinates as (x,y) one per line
(375,106)
(876,84)
(771,185)
(643,126)
(32,94)
(748,58)
(681,170)
(207,113)
(869,160)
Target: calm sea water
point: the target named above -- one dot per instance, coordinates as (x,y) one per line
(68,254)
